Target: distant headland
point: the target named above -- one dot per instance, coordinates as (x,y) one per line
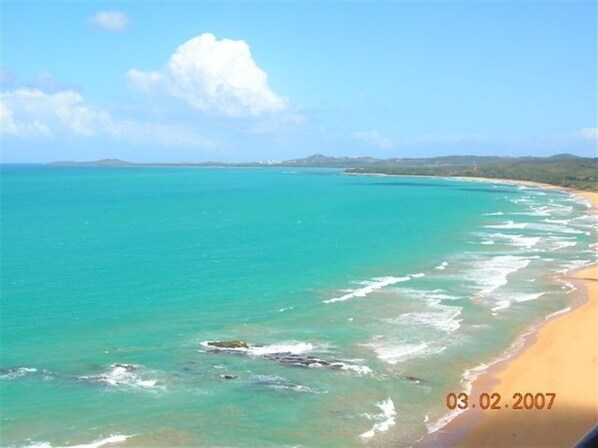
(565,170)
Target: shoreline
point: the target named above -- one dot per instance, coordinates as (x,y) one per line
(558,355)
(586,194)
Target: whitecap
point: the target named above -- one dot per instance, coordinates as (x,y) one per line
(501,305)
(508,225)
(393,352)
(555,228)
(356,368)
(558,243)
(517,240)
(442,266)
(296,348)
(95,444)
(491,274)
(122,375)
(108,440)
(384,420)
(371,286)
(526,297)
(288,308)
(11,374)
(443,320)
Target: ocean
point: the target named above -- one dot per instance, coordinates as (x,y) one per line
(357,302)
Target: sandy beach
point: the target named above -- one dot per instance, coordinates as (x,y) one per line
(560,358)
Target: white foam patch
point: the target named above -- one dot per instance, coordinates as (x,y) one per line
(19,372)
(555,228)
(501,305)
(558,313)
(443,318)
(384,420)
(514,298)
(296,348)
(558,221)
(467,379)
(442,266)
(508,225)
(495,214)
(491,274)
(432,297)
(568,287)
(355,368)
(526,297)
(288,308)
(370,286)
(393,351)
(113,439)
(122,375)
(108,440)
(526,242)
(557,243)
(418,275)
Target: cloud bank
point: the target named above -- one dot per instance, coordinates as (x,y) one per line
(116,21)
(31,113)
(589,133)
(213,76)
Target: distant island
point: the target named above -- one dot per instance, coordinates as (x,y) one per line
(564,170)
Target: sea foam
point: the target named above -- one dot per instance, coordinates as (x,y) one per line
(491,274)
(508,225)
(11,374)
(122,375)
(370,286)
(384,420)
(113,439)
(394,351)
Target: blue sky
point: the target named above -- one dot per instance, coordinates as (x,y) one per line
(252,81)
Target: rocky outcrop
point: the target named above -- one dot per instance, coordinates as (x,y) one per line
(228,376)
(229,344)
(413,379)
(297,360)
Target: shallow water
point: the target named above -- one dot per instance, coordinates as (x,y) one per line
(114,279)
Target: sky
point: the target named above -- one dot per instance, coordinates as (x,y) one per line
(246,81)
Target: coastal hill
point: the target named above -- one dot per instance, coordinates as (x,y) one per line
(565,170)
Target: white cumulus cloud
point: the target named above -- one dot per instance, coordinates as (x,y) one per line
(31,113)
(214,76)
(373,137)
(111,20)
(589,133)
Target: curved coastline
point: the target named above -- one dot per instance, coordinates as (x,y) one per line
(559,355)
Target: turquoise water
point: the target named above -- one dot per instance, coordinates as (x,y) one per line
(393,289)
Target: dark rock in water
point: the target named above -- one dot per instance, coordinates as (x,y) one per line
(286,358)
(413,379)
(228,376)
(228,344)
(127,367)
(297,360)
